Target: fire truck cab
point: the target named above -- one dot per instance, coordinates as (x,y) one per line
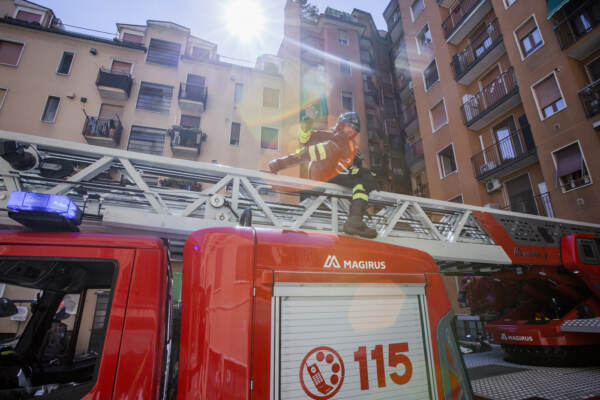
(264,314)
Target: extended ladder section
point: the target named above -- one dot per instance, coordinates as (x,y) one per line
(135,193)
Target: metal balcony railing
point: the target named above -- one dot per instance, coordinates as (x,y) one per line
(102,128)
(578,23)
(590,98)
(494,93)
(186,138)
(191,92)
(114,79)
(480,46)
(504,152)
(458,15)
(540,204)
(409,114)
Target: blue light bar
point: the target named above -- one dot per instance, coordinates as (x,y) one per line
(51,204)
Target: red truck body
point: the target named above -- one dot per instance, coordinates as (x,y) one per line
(230,282)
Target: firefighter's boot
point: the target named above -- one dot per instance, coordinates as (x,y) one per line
(354,225)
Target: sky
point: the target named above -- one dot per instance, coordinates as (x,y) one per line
(207,19)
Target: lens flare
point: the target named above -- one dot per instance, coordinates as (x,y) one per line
(245,19)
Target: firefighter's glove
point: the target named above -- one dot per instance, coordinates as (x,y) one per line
(277,165)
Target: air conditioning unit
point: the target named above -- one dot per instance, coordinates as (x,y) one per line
(492,185)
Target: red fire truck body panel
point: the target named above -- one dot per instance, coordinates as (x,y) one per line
(227,332)
(135,315)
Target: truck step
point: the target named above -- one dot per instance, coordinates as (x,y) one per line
(588,325)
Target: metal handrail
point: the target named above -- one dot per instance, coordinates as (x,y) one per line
(457,15)
(488,39)
(503,152)
(492,94)
(590,98)
(565,29)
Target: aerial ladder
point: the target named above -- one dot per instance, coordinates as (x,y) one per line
(125,192)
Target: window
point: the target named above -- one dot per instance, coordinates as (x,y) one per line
(200,53)
(64,66)
(347,101)
(424,39)
(120,67)
(431,75)
(154,97)
(395,16)
(571,169)
(345,68)
(268,138)
(508,3)
(549,97)
(270,98)
(438,116)
(528,37)
(457,199)
(50,109)
(29,16)
(271,68)
(190,121)
(163,52)
(146,140)
(238,93)
(3,92)
(110,112)
(447,161)
(417,8)
(234,136)
(130,37)
(343,37)
(10,52)
(593,69)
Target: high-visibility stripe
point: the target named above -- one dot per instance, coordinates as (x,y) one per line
(298,151)
(321,148)
(355,171)
(358,187)
(312,153)
(373,173)
(362,196)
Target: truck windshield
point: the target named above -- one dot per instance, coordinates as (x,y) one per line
(52,325)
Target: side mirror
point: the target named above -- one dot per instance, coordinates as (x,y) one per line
(7,308)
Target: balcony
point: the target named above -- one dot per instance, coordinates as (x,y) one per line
(421,190)
(186,141)
(505,156)
(482,53)
(409,117)
(413,152)
(578,32)
(495,99)
(590,98)
(463,18)
(192,98)
(101,131)
(113,84)
(540,204)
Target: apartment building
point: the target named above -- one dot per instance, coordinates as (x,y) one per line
(506,96)
(344,65)
(154,89)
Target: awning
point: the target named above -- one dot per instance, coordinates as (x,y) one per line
(568,160)
(554,6)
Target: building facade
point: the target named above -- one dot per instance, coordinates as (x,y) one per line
(155,89)
(506,96)
(344,65)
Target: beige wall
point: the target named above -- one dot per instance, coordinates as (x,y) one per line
(35,78)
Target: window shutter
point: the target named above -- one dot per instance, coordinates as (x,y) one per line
(438,116)
(108,111)
(568,160)
(10,52)
(130,37)
(120,67)
(526,28)
(547,92)
(29,17)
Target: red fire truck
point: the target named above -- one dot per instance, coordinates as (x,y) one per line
(265,314)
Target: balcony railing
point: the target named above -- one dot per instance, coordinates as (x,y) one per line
(525,202)
(185,139)
(413,152)
(578,23)
(191,92)
(505,152)
(114,79)
(590,98)
(494,93)
(458,15)
(409,114)
(102,130)
(421,190)
(484,42)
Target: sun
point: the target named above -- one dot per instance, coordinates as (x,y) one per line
(245,19)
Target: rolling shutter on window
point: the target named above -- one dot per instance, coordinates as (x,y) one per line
(10,52)
(108,111)
(130,37)
(547,92)
(146,140)
(163,52)
(526,28)
(438,116)
(568,160)
(120,67)
(155,97)
(29,17)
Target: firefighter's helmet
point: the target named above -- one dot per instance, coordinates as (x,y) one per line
(350,118)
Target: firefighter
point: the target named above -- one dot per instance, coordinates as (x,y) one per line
(333,157)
